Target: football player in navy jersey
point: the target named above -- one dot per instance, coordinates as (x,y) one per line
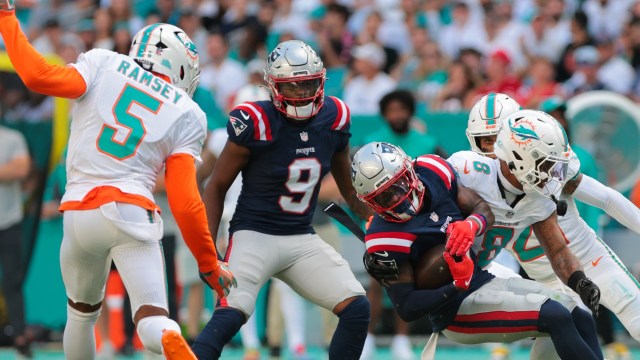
(420,204)
(284,147)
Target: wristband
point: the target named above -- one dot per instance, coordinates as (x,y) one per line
(575,278)
(481,220)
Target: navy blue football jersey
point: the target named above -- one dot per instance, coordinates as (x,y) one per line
(406,241)
(280,183)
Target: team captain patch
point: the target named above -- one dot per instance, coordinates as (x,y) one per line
(238,125)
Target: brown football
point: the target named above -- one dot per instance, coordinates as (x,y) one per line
(432,271)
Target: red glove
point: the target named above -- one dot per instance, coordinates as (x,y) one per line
(460,235)
(462,271)
(221,280)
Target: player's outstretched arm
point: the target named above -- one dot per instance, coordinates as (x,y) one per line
(341,171)
(232,160)
(33,69)
(591,191)
(460,234)
(564,262)
(189,213)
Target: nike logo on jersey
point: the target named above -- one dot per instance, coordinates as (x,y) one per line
(244,116)
(466,171)
(383,254)
(596,261)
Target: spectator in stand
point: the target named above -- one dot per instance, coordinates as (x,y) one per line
(606,17)
(539,84)
(334,38)
(579,37)
(371,32)
(363,92)
(463,32)
(14,167)
(615,73)
(549,32)
(500,76)
(103,23)
(585,78)
(223,76)
(121,38)
(456,94)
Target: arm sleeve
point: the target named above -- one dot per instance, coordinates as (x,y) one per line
(596,194)
(33,69)
(412,304)
(188,210)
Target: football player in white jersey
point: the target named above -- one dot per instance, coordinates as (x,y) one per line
(133,115)
(619,289)
(533,155)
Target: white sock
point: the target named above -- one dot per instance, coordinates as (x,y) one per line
(249,333)
(150,331)
(79,340)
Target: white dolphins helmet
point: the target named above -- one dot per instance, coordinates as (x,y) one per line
(296,75)
(486,117)
(384,179)
(536,149)
(166,49)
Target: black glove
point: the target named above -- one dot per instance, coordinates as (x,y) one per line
(588,291)
(380,269)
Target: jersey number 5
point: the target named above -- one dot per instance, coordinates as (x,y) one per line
(130,96)
(297,185)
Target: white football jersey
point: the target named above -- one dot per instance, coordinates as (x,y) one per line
(579,235)
(126,125)
(511,229)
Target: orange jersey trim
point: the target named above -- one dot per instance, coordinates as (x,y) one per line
(188,210)
(33,69)
(101,195)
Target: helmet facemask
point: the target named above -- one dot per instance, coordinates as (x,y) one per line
(398,198)
(548,175)
(298,97)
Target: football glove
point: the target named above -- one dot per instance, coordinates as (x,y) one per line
(461,270)
(381,270)
(589,294)
(7,5)
(221,280)
(460,236)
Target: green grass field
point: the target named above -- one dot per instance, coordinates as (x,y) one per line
(443,353)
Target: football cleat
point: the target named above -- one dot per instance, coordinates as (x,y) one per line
(175,347)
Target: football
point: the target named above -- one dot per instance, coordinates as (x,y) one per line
(432,271)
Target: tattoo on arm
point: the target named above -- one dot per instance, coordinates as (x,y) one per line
(470,202)
(571,185)
(563,260)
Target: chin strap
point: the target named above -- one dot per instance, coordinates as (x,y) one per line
(561,205)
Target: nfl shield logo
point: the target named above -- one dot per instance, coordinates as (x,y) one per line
(304,136)
(509,214)
(434,217)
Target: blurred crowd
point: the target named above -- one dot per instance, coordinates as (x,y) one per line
(388,58)
(448,53)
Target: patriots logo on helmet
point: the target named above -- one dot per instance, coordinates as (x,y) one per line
(386,148)
(238,125)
